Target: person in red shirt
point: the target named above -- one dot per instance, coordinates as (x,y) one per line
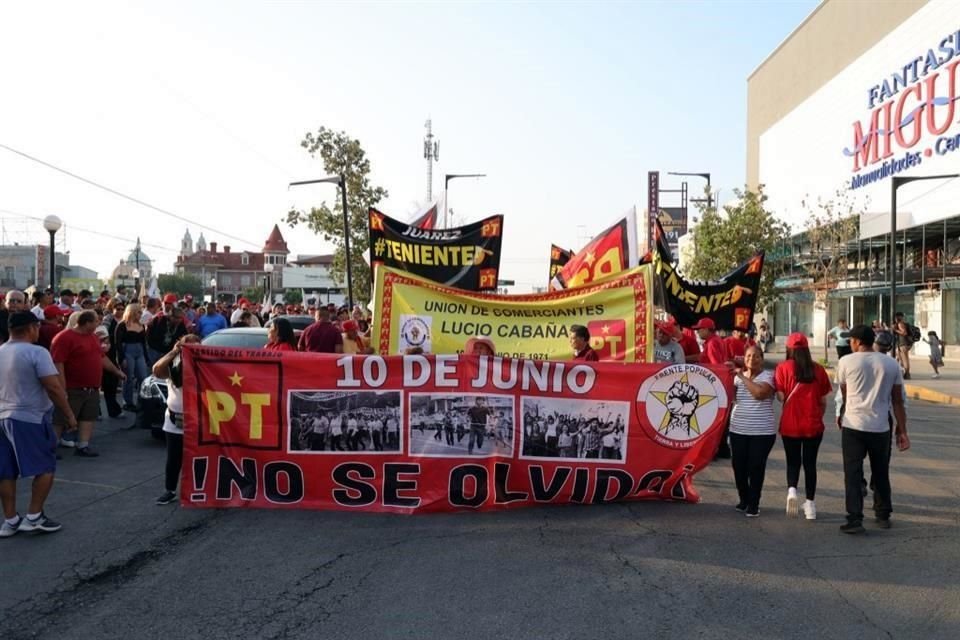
(52,325)
(321,336)
(715,353)
(714,350)
(802,386)
(281,336)
(688,342)
(736,344)
(580,343)
(80,362)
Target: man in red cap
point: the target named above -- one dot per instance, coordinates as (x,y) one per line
(666,349)
(52,325)
(714,351)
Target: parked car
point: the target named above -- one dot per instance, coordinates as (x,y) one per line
(299,322)
(153,390)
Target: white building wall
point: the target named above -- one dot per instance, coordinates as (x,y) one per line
(801,157)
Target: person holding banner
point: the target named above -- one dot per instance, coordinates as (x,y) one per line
(479,346)
(170,367)
(667,350)
(281,336)
(802,386)
(580,343)
(714,350)
(753,430)
(687,341)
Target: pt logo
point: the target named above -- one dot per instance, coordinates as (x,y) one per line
(680,404)
(239,406)
(609,338)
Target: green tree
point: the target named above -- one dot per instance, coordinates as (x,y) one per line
(725,240)
(831,226)
(253,294)
(293,296)
(180,285)
(343,155)
(831,230)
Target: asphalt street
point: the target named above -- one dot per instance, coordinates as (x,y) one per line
(125,568)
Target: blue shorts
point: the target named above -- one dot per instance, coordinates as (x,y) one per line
(27,449)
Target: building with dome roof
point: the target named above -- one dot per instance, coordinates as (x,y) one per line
(123,273)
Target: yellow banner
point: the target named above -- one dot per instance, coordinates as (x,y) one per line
(413,312)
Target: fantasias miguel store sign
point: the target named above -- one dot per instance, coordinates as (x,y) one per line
(912,117)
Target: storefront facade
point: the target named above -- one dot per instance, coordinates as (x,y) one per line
(856,95)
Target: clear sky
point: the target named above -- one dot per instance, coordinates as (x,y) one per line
(199,108)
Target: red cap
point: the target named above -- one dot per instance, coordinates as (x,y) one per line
(667,327)
(797,341)
(170,298)
(188,298)
(704,323)
(242,301)
(350,325)
(52,311)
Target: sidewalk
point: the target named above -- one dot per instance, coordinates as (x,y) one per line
(921,386)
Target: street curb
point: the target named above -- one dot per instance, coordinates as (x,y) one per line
(919,393)
(915,392)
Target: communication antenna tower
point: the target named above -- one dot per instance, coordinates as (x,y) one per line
(431,151)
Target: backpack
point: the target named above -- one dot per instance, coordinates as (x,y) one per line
(914,332)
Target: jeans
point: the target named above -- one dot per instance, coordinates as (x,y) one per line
(802,451)
(843,351)
(135,357)
(174,460)
(476,436)
(749,456)
(856,445)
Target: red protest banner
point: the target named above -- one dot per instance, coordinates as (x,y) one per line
(415,434)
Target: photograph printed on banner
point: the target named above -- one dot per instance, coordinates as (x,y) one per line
(449,424)
(335,421)
(572,429)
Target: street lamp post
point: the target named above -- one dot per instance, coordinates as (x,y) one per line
(136,285)
(705,176)
(52,224)
(342,182)
(446,185)
(268,282)
(895,183)
(213,287)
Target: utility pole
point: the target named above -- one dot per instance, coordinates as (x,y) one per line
(431,152)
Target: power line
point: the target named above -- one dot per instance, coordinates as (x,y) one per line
(94,232)
(123,195)
(928,192)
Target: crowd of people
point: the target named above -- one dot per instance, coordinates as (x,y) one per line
(58,355)
(568,435)
(364,429)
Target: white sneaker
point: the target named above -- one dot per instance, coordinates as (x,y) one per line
(7,530)
(809,510)
(935,376)
(792,503)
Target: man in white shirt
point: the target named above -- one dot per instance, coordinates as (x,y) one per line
(871,383)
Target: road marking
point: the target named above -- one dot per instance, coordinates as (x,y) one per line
(90,484)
